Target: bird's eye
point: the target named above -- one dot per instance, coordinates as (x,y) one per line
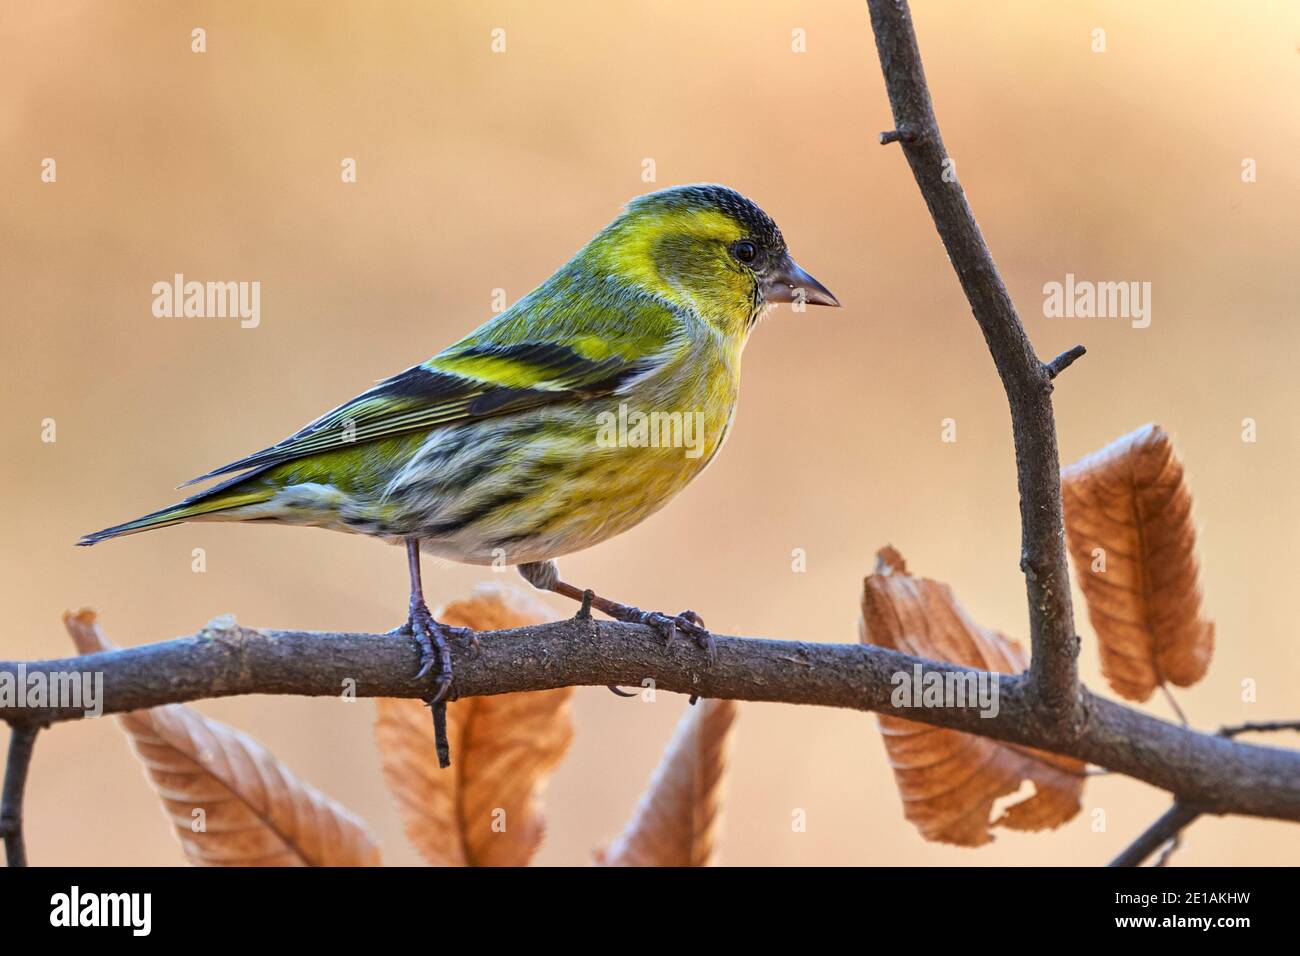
(744,251)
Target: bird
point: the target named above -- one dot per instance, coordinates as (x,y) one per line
(562,421)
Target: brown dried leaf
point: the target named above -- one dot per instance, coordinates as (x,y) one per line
(676,820)
(255,812)
(486,808)
(949,780)
(1130,499)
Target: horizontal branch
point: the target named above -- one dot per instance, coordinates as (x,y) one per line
(1168,829)
(1216,774)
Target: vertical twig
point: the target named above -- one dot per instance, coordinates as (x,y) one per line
(21,743)
(440,742)
(1027,381)
(1173,702)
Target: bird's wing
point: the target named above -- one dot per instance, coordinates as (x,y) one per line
(468,382)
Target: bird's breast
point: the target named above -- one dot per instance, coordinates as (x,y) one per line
(564,479)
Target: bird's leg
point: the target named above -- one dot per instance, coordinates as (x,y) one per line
(545,575)
(434,646)
(434,640)
(433,637)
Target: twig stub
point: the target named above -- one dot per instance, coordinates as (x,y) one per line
(1063,361)
(903,134)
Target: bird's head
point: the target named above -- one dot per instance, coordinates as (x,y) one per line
(709,249)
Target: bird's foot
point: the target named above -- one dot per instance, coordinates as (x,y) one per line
(670,626)
(434,640)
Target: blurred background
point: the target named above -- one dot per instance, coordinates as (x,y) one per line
(479,170)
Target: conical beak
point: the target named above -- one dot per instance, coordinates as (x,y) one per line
(789,283)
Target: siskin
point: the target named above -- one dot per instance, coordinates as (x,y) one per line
(514,444)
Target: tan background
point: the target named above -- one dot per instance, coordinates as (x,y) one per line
(479,171)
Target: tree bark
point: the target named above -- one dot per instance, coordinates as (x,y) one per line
(1053,674)
(1215,773)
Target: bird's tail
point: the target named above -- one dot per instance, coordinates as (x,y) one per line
(224,497)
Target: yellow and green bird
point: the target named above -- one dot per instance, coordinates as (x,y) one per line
(563,421)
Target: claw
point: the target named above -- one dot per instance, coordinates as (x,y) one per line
(688,621)
(433,639)
(693,625)
(668,626)
(443,685)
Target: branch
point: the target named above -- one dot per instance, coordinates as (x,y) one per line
(1159,833)
(1046,708)
(1216,774)
(1170,826)
(1259,727)
(1053,674)
(22,739)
